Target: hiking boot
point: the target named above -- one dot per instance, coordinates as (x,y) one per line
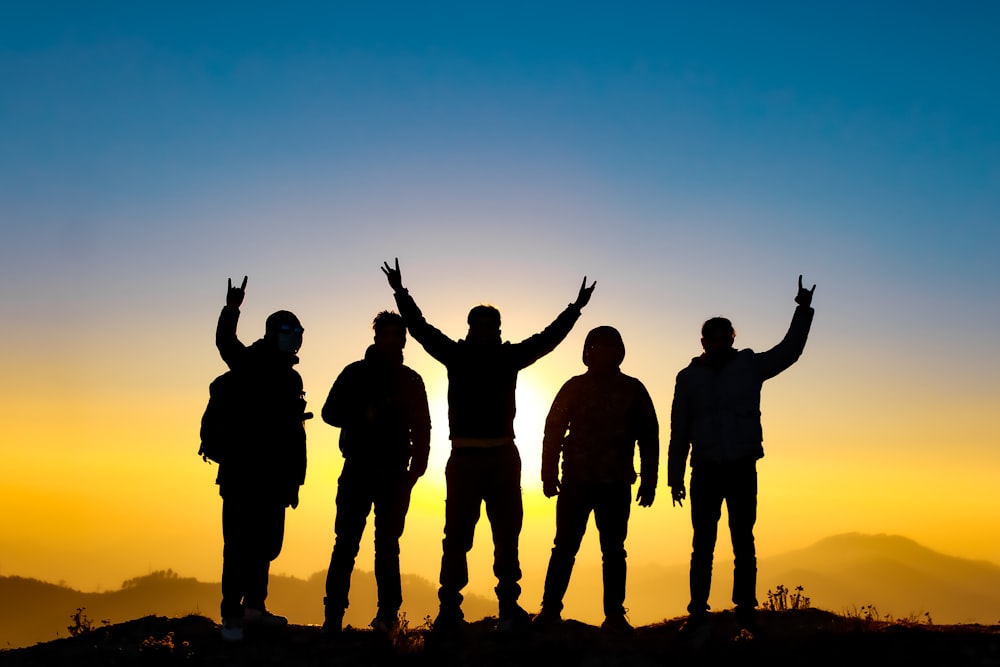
(333,622)
(546,618)
(384,624)
(232,630)
(512,618)
(449,621)
(617,624)
(263,618)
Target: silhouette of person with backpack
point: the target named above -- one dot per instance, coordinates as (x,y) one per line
(595,422)
(265,466)
(716,416)
(380,406)
(484,466)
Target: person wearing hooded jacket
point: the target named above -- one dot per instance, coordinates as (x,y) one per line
(484,467)
(262,475)
(380,406)
(594,423)
(715,415)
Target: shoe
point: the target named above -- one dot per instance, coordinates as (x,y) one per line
(384,624)
(232,630)
(513,618)
(333,622)
(449,621)
(547,619)
(617,624)
(263,618)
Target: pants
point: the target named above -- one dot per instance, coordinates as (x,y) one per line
(611,504)
(358,490)
(475,476)
(736,484)
(253,530)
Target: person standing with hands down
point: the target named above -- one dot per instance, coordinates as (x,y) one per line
(380,406)
(716,416)
(484,465)
(595,422)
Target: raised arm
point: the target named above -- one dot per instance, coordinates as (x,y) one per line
(788,351)
(229,345)
(534,348)
(431,339)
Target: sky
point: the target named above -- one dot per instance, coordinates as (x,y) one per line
(692,158)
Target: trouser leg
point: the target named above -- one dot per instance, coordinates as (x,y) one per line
(706,509)
(253,532)
(572,512)
(505,512)
(741,504)
(462,508)
(611,512)
(391,505)
(353,506)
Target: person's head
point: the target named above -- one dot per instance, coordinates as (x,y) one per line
(484,324)
(283,330)
(390,332)
(717,335)
(603,349)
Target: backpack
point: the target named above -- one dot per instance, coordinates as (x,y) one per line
(220,424)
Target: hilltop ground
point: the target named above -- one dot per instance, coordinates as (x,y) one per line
(809,636)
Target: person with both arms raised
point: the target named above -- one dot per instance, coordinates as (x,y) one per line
(484,465)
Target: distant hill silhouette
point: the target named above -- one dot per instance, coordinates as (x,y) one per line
(840,573)
(36,611)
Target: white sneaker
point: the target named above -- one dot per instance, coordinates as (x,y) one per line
(232,630)
(263,617)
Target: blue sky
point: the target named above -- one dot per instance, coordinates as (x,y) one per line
(692,158)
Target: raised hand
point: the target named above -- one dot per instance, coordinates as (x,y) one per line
(393,275)
(583,298)
(805,296)
(235,295)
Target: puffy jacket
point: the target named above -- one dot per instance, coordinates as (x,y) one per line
(595,422)
(716,407)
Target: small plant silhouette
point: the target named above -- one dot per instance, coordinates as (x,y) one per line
(82,624)
(781,599)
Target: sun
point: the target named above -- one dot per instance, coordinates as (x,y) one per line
(533,403)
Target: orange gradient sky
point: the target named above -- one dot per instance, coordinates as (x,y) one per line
(147,159)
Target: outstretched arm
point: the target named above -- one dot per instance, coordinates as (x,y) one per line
(433,341)
(534,348)
(788,351)
(230,347)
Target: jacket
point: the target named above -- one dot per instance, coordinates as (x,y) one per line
(595,422)
(271,458)
(380,406)
(716,407)
(482,378)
